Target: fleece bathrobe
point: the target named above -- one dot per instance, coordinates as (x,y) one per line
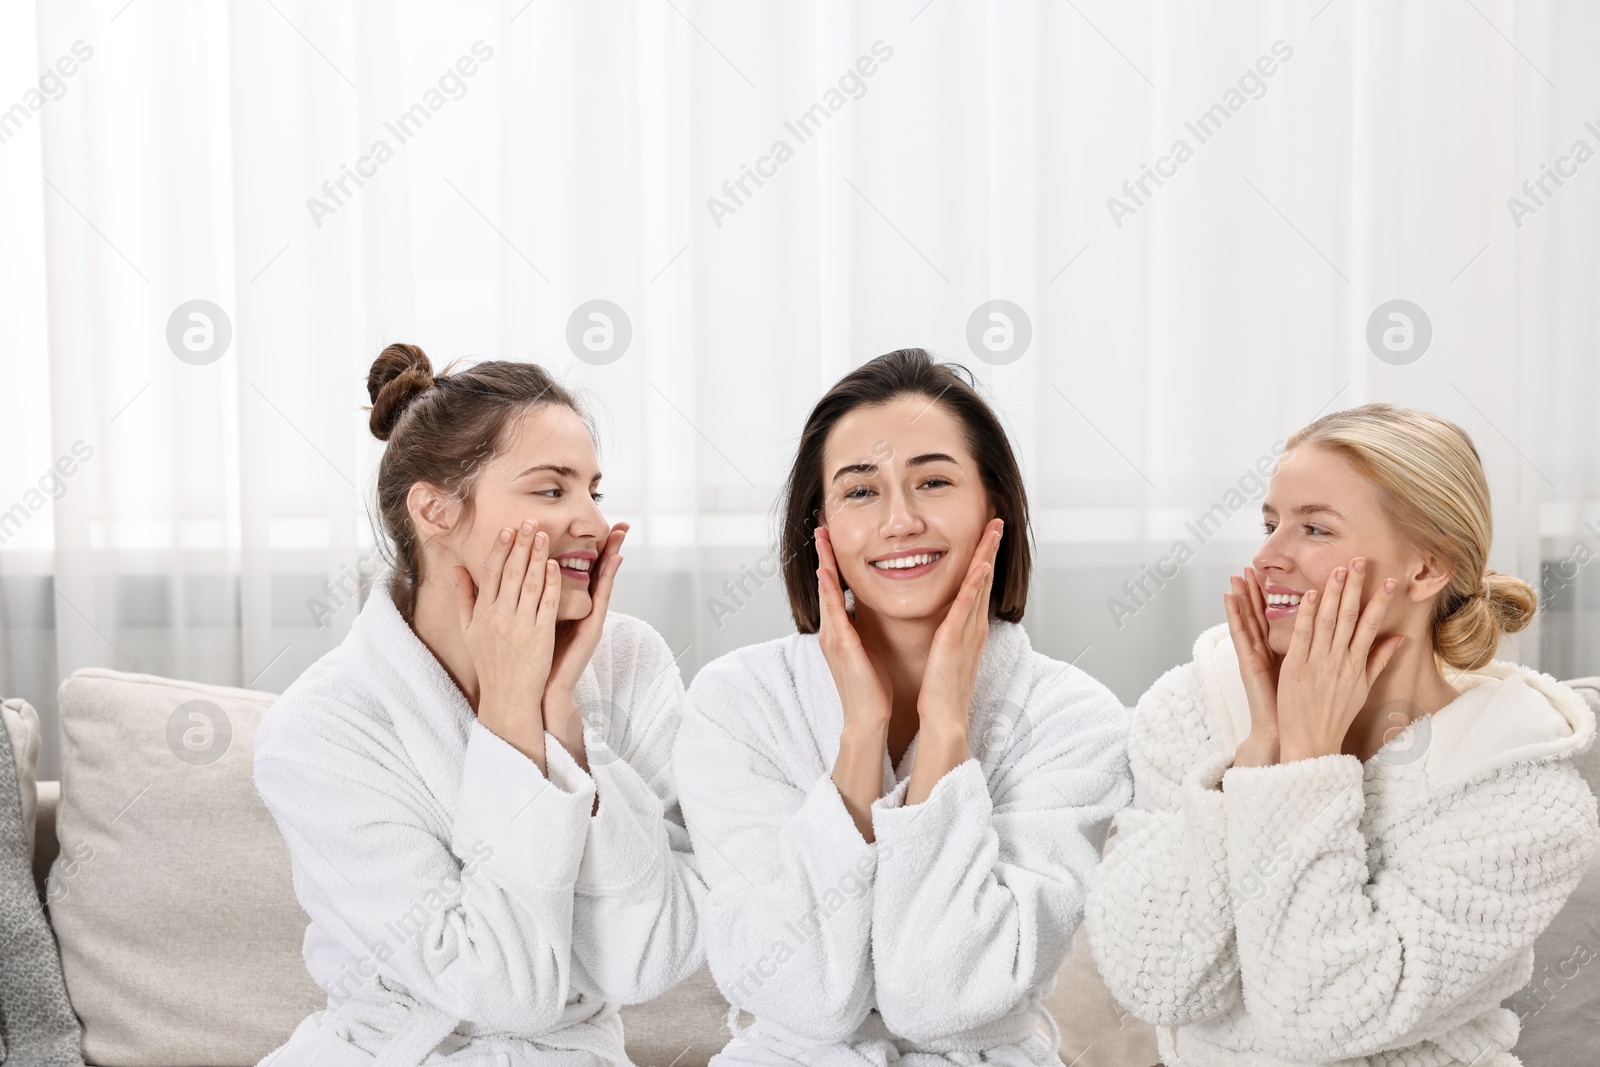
(935,943)
(465,909)
(1327,911)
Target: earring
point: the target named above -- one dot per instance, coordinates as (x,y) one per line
(850,600)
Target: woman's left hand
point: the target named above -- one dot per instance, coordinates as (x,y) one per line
(576,639)
(1331,664)
(947,683)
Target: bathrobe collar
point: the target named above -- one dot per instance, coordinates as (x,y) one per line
(1004,649)
(1507,714)
(428,711)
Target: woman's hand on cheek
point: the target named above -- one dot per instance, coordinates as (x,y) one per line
(1259,668)
(577,639)
(952,671)
(864,689)
(1333,659)
(509,627)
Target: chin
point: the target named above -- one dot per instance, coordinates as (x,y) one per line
(909,609)
(573,606)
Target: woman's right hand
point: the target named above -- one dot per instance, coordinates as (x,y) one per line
(862,681)
(509,625)
(1258,668)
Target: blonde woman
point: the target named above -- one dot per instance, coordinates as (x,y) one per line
(1350,821)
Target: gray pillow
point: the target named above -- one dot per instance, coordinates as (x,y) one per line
(22,723)
(1560,1005)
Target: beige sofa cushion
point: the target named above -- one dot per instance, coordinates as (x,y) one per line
(684,1027)
(22,723)
(171,897)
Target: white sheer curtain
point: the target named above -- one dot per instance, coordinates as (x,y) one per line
(936,155)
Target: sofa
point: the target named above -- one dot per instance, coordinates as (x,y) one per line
(169,892)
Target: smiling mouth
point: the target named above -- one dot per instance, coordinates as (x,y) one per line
(911,566)
(1282,605)
(576,568)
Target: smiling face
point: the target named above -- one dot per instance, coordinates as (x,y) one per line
(904,504)
(1319,514)
(547,472)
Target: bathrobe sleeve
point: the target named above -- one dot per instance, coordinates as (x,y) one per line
(980,887)
(636,915)
(788,919)
(1340,960)
(1159,916)
(477,926)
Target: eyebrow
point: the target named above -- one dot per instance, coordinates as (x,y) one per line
(1304,509)
(557,469)
(914,461)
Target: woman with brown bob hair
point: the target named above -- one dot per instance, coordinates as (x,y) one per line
(897,807)
(474,786)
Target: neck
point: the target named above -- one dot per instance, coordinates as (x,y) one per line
(902,646)
(1409,688)
(438,626)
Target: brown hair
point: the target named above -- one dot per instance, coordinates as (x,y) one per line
(441,431)
(906,372)
(1431,483)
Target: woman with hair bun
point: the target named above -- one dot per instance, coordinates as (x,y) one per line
(1350,821)
(474,786)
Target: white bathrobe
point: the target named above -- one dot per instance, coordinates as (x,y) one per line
(936,942)
(456,895)
(1327,911)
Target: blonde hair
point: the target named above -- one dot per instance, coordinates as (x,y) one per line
(1431,484)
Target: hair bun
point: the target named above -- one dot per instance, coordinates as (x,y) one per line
(399,375)
(1511,600)
(1468,637)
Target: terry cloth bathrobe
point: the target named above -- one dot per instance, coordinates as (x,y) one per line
(1327,911)
(935,943)
(465,909)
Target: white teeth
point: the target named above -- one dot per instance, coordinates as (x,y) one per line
(576,564)
(907,561)
(1283,599)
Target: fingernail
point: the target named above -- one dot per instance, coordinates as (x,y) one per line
(1359,565)
(1388,585)
(505,535)
(527,526)
(1338,574)
(540,541)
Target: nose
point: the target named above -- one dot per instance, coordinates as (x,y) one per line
(587,520)
(1270,556)
(902,517)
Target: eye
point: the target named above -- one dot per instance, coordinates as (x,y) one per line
(1314,530)
(597,495)
(553,494)
(936,482)
(859,492)
(1268,527)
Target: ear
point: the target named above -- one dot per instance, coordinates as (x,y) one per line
(433,512)
(1426,576)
